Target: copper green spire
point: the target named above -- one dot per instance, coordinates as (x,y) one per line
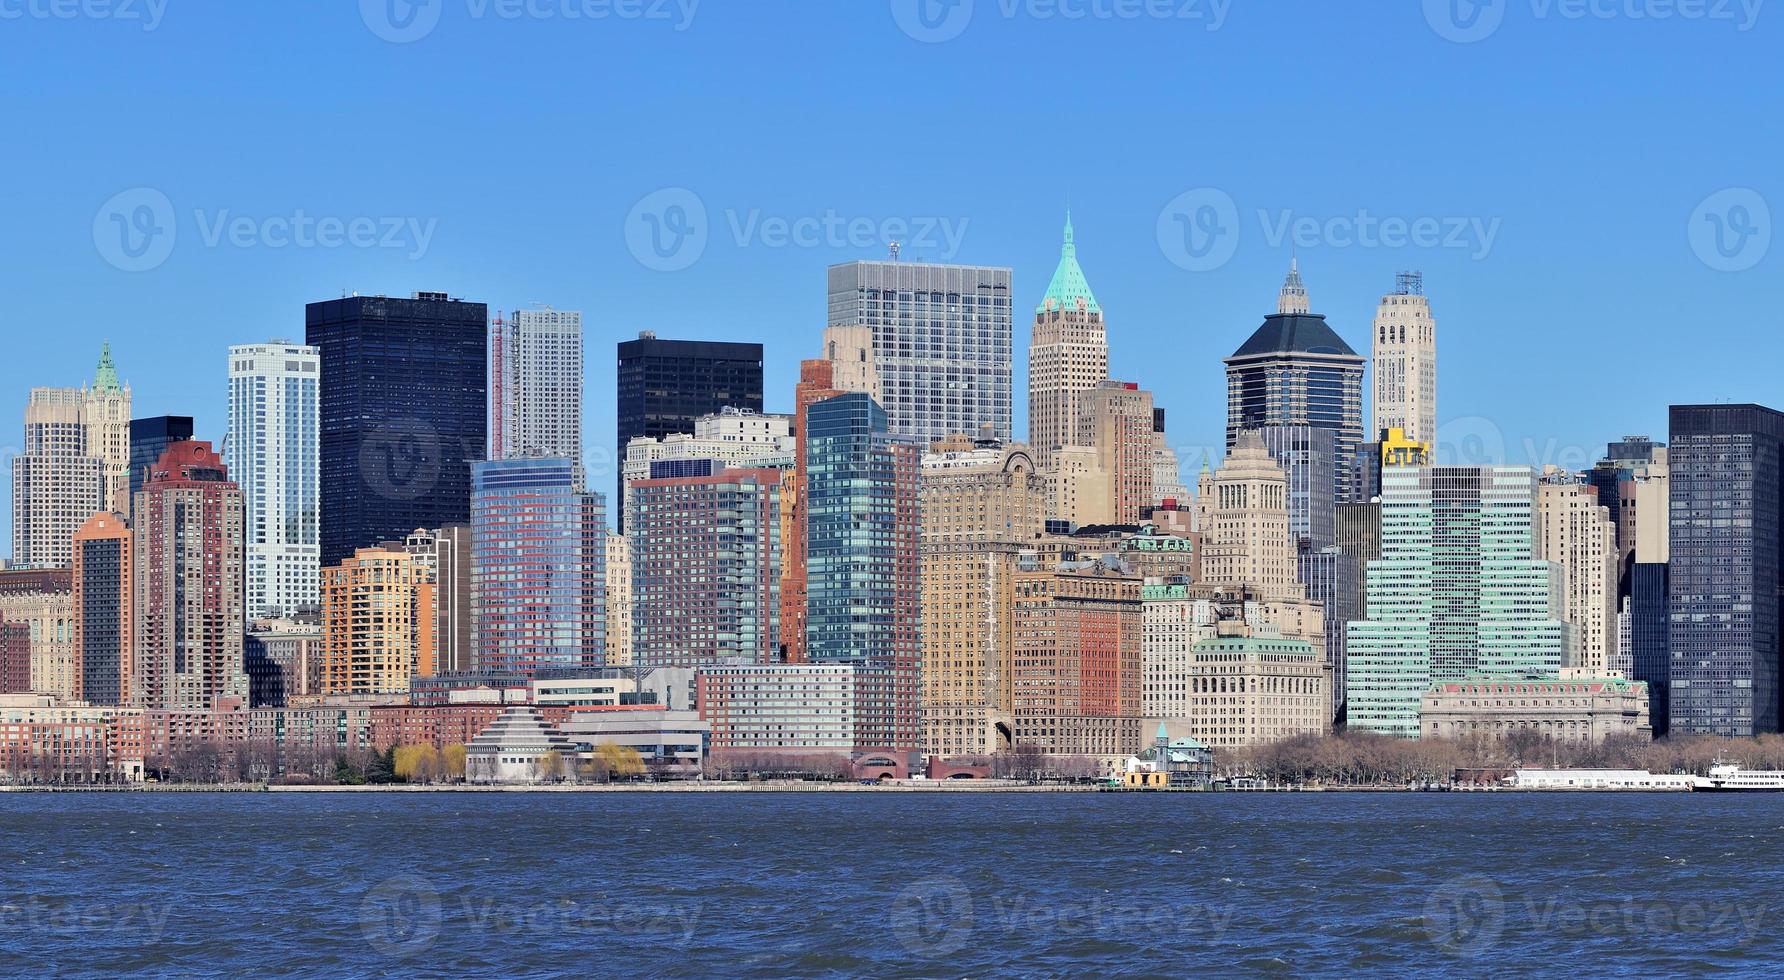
(1069,286)
(106,378)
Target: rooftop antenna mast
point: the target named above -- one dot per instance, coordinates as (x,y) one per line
(893,248)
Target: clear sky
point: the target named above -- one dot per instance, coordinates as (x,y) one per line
(1552,166)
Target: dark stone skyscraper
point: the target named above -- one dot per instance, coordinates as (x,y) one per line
(404,412)
(665,385)
(1725,543)
(1295,370)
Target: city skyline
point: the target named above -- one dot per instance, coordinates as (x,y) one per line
(1560,263)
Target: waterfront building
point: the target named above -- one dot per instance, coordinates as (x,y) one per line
(864,589)
(1236,691)
(514,749)
(535,385)
(706,568)
(1460,590)
(104,631)
(816,383)
(1295,370)
(847,711)
(538,557)
(941,343)
(1077,658)
(377,623)
(1067,355)
(273,453)
(187,560)
(149,438)
(42,601)
(666,386)
(1245,521)
(1643,628)
(1576,533)
(105,410)
(404,412)
(981,504)
(1404,356)
(1725,467)
(1575,708)
(619,601)
(670,743)
(57,482)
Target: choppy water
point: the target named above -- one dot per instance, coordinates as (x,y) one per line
(890,884)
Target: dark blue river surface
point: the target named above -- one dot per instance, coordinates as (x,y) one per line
(890,884)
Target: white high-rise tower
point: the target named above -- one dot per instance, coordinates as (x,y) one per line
(536,399)
(274,454)
(1405,361)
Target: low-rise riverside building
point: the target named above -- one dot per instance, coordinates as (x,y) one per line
(844,710)
(518,747)
(1238,691)
(1568,709)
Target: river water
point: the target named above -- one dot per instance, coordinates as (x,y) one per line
(891,884)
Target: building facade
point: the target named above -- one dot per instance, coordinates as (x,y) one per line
(1068,353)
(377,624)
(1576,534)
(274,453)
(1115,418)
(1582,709)
(538,566)
(57,482)
(404,411)
(619,601)
(941,342)
(1404,356)
(106,413)
(535,385)
(1240,691)
(187,560)
(104,630)
(40,601)
(1076,673)
(149,438)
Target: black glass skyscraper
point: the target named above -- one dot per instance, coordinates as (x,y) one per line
(404,412)
(664,385)
(149,438)
(1725,538)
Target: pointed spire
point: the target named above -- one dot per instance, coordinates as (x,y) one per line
(106,377)
(1293,298)
(1069,287)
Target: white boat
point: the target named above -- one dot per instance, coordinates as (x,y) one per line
(1729,777)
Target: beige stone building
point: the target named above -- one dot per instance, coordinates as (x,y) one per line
(619,601)
(1068,354)
(106,413)
(1115,418)
(1404,352)
(377,623)
(1236,690)
(982,505)
(1077,487)
(1076,676)
(1576,533)
(43,600)
(1243,511)
(1573,709)
(849,349)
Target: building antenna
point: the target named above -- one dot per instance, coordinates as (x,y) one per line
(893,248)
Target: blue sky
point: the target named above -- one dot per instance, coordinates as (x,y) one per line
(1569,160)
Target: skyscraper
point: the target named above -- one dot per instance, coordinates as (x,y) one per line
(57,482)
(187,559)
(706,568)
(1115,418)
(1577,534)
(1306,454)
(378,619)
(149,438)
(1295,370)
(104,631)
(536,385)
(816,384)
(1067,355)
(106,411)
(1725,466)
(404,412)
(864,567)
(1404,353)
(444,556)
(665,386)
(537,567)
(273,454)
(619,602)
(1459,591)
(941,342)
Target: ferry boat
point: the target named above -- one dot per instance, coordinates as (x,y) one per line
(1729,777)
